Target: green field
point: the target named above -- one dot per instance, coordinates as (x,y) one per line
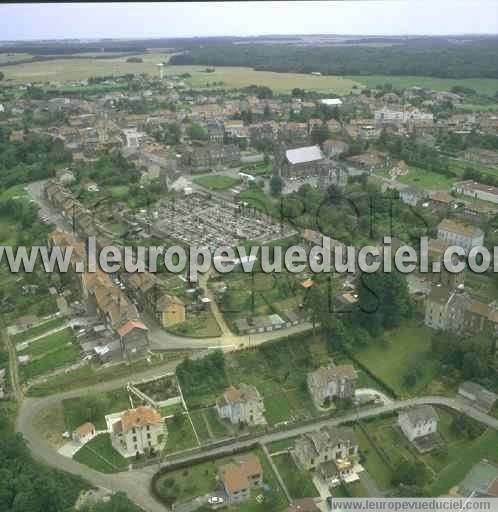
(181,435)
(79,410)
(50,353)
(427,180)
(232,77)
(396,353)
(486,86)
(39,329)
(100,455)
(257,199)
(217,182)
(13,57)
(299,483)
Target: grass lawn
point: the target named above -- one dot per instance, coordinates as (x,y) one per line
(49,343)
(201,428)
(486,86)
(171,410)
(484,447)
(218,428)
(38,329)
(191,482)
(257,199)
(100,455)
(94,408)
(119,191)
(216,181)
(282,445)
(56,357)
(397,352)
(203,325)
(373,462)
(181,435)
(298,482)
(427,180)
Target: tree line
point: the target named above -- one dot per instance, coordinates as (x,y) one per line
(474,59)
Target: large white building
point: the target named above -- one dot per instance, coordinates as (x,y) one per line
(477,191)
(461,235)
(418,421)
(242,405)
(136,431)
(398,117)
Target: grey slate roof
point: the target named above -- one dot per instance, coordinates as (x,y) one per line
(421,414)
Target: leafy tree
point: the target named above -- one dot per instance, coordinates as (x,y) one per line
(197,132)
(384,300)
(276,185)
(2,76)
(319,134)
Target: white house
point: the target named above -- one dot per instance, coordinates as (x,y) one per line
(332,382)
(477,191)
(336,444)
(461,235)
(418,421)
(136,430)
(243,405)
(331,102)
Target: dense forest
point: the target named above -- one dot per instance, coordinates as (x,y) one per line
(426,57)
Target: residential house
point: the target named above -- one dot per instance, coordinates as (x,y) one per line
(335,147)
(445,308)
(480,397)
(240,477)
(136,431)
(477,191)
(242,405)
(328,383)
(329,444)
(419,421)
(411,196)
(459,234)
(134,339)
(442,200)
(170,310)
(84,433)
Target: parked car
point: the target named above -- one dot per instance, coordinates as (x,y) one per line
(216,500)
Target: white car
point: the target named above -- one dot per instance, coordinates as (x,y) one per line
(215,500)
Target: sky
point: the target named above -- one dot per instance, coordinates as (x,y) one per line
(184,19)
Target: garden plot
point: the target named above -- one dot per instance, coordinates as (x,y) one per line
(161,391)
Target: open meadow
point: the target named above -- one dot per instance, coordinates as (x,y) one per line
(232,77)
(486,86)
